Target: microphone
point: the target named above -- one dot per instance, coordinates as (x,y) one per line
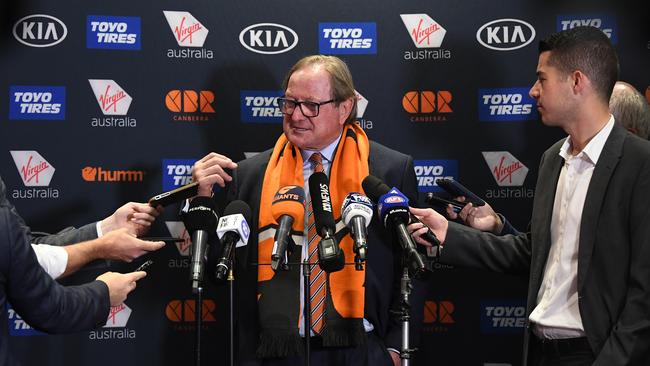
(330,256)
(200,221)
(431,238)
(233,232)
(288,210)
(357,214)
(394,212)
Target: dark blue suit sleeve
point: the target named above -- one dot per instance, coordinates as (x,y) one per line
(67,236)
(42,302)
(468,247)
(507,227)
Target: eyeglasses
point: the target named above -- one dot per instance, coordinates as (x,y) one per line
(308,109)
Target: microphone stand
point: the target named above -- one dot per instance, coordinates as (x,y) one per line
(307,309)
(199,323)
(231,290)
(358,262)
(197,289)
(405,316)
(404,311)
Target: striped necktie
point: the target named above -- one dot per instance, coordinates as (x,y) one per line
(318,280)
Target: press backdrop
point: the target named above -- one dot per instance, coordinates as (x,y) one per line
(112,101)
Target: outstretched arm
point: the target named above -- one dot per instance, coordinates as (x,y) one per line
(116,245)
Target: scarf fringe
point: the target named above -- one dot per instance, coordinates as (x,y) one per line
(275,344)
(344,333)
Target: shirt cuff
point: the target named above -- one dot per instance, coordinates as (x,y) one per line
(53,259)
(98,226)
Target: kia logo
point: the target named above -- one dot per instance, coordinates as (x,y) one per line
(268,38)
(40,30)
(505,34)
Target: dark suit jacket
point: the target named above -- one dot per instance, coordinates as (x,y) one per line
(65,237)
(383,267)
(613,254)
(41,302)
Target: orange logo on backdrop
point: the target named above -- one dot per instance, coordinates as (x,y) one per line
(184,311)
(98,174)
(647,94)
(427,101)
(438,312)
(89,174)
(190,101)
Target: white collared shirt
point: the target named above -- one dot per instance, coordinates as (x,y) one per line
(557,314)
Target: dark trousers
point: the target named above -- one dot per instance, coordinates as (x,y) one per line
(560,352)
(374,353)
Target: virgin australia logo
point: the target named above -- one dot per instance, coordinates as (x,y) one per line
(424,31)
(34,170)
(506,169)
(112,99)
(187,30)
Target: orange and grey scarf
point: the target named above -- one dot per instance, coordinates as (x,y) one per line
(279,293)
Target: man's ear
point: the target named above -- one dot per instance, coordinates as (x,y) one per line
(579,81)
(345,108)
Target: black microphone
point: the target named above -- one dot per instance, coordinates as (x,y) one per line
(434,250)
(330,256)
(233,231)
(288,210)
(201,222)
(394,212)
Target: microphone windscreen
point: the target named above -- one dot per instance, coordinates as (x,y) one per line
(238,207)
(374,187)
(356,204)
(319,191)
(290,200)
(201,215)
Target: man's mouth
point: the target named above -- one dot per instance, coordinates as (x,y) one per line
(299,129)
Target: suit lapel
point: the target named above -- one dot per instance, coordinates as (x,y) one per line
(543,211)
(609,158)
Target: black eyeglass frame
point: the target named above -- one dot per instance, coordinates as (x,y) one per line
(282,103)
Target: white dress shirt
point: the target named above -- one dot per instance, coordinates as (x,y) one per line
(54,259)
(557,314)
